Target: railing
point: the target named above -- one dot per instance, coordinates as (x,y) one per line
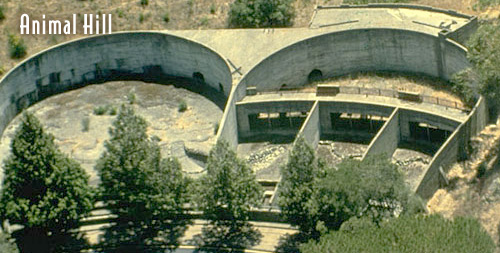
(379,92)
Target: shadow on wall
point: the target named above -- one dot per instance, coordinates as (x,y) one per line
(145,56)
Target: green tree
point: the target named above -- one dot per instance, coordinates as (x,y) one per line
(144,191)
(405,234)
(296,186)
(225,195)
(43,189)
(6,245)
(261,13)
(372,188)
(483,47)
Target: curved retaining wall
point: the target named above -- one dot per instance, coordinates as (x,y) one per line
(344,52)
(120,56)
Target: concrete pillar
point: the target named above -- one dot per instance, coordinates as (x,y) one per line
(440,55)
(243,123)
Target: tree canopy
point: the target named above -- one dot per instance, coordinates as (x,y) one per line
(261,13)
(372,188)
(144,190)
(229,189)
(484,46)
(225,195)
(296,186)
(43,189)
(405,234)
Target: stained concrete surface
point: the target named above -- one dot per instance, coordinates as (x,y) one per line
(63,115)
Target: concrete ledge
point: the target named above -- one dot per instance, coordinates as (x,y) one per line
(395,5)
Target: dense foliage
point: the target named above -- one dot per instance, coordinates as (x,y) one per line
(43,189)
(229,189)
(6,244)
(484,46)
(405,234)
(261,13)
(296,187)
(145,191)
(225,195)
(371,188)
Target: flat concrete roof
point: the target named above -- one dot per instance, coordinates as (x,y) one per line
(442,111)
(424,20)
(244,48)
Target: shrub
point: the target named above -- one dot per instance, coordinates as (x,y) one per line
(144,2)
(141,17)
(182,107)
(131,98)
(100,110)
(261,13)
(166,17)
(105,109)
(17,48)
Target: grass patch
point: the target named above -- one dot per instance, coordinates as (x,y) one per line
(482,4)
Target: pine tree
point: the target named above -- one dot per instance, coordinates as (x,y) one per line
(43,190)
(144,191)
(296,186)
(226,193)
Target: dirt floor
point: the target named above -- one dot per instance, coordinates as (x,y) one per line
(158,104)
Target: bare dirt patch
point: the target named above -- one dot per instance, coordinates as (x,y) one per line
(64,116)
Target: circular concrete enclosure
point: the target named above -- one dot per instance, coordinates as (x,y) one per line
(146,56)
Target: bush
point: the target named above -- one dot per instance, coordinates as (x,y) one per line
(100,110)
(261,13)
(182,107)
(131,98)
(144,2)
(406,234)
(166,17)
(17,48)
(105,109)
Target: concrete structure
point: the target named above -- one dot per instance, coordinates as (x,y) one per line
(256,70)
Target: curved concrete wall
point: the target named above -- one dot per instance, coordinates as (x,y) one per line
(130,55)
(344,52)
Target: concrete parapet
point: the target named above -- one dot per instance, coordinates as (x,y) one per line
(397,5)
